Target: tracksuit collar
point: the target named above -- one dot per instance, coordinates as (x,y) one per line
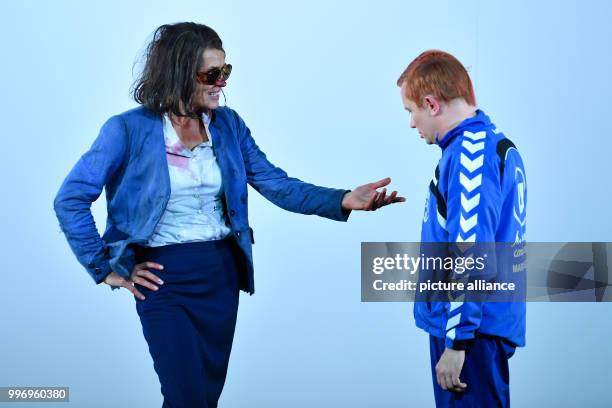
(479,122)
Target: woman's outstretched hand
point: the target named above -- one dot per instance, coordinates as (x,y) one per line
(367,198)
(140,275)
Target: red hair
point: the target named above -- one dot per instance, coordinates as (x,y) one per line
(437,73)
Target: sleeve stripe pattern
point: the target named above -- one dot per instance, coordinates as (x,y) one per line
(470,178)
(470,199)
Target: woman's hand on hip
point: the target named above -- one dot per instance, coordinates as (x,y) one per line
(140,275)
(367,198)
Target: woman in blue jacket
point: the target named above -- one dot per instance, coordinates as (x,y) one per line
(176,170)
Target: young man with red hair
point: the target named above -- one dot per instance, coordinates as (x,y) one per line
(477,195)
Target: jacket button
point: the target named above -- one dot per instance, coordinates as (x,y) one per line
(232,213)
(237,234)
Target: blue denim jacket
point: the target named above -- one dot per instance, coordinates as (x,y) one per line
(128,159)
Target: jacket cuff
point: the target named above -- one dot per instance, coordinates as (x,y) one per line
(459,344)
(344,214)
(99,270)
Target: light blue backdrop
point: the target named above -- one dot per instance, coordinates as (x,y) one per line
(315,81)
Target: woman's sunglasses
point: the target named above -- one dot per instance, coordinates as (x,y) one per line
(213,75)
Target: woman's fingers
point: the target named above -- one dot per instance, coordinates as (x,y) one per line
(370,203)
(390,199)
(381,183)
(393,198)
(144,282)
(146,278)
(129,286)
(147,265)
(368,198)
(380,201)
(140,275)
(143,277)
(149,275)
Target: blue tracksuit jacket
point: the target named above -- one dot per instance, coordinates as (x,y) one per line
(478,194)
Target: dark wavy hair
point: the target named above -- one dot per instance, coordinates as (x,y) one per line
(168,82)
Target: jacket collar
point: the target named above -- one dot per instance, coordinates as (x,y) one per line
(479,122)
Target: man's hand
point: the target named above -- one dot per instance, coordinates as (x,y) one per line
(366,197)
(448,370)
(140,275)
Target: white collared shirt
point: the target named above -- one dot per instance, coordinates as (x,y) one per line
(195,209)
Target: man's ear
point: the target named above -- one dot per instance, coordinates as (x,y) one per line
(432,105)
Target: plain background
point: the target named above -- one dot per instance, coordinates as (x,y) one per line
(315,82)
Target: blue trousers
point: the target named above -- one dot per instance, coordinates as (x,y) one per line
(485,371)
(189,322)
